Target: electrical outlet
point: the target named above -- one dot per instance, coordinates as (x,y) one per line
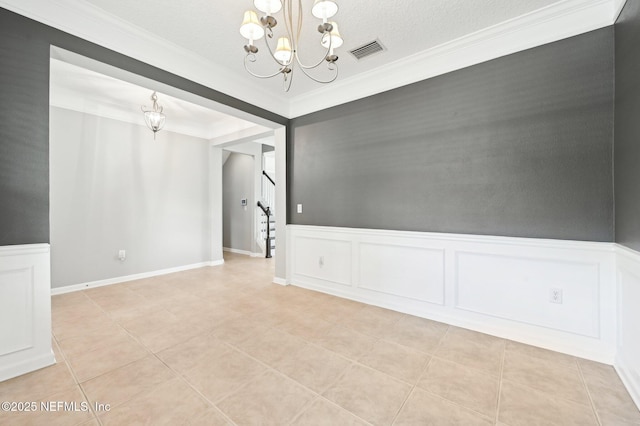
(122,255)
(299,208)
(555,295)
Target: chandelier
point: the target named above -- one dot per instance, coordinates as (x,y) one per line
(154,117)
(286,50)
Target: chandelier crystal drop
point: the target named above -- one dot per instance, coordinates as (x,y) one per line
(154,118)
(285,54)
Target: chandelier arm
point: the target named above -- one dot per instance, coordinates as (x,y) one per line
(299,23)
(287,82)
(293,27)
(289,21)
(246,67)
(322,81)
(309,67)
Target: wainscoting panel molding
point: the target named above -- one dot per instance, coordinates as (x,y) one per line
(521,288)
(25,310)
(628,354)
(329,260)
(402,270)
(555,294)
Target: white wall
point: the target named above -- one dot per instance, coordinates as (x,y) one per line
(238,221)
(282,259)
(113,187)
(496,285)
(254,150)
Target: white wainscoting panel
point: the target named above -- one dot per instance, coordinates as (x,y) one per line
(496,285)
(16,316)
(628,354)
(518,288)
(25,309)
(405,271)
(325,259)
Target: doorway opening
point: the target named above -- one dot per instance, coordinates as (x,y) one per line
(123,204)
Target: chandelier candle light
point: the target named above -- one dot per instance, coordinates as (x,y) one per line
(286,53)
(154,117)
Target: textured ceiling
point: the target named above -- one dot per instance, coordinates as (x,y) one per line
(83,90)
(209,28)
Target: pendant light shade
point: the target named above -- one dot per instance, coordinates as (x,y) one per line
(333,38)
(283,43)
(268,6)
(324,9)
(154,118)
(251,28)
(283,51)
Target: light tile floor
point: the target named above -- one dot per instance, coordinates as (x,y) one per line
(223,345)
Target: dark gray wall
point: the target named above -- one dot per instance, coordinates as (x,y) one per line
(237,183)
(518,146)
(24,118)
(24,134)
(627,126)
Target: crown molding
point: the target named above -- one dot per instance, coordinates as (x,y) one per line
(558,21)
(619,5)
(555,22)
(91,23)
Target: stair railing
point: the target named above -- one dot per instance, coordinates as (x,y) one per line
(267,212)
(268,190)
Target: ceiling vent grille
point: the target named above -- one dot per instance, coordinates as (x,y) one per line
(367,49)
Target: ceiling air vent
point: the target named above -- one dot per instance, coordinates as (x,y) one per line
(367,49)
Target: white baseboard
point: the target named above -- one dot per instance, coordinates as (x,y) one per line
(243,252)
(280,281)
(630,378)
(496,285)
(27,366)
(25,309)
(125,278)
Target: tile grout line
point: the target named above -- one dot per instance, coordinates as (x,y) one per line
(135,338)
(591,403)
(75,379)
(424,371)
(496,417)
(117,322)
(197,391)
(233,346)
(150,352)
(331,403)
(317,395)
(457,404)
(482,415)
(426,367)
